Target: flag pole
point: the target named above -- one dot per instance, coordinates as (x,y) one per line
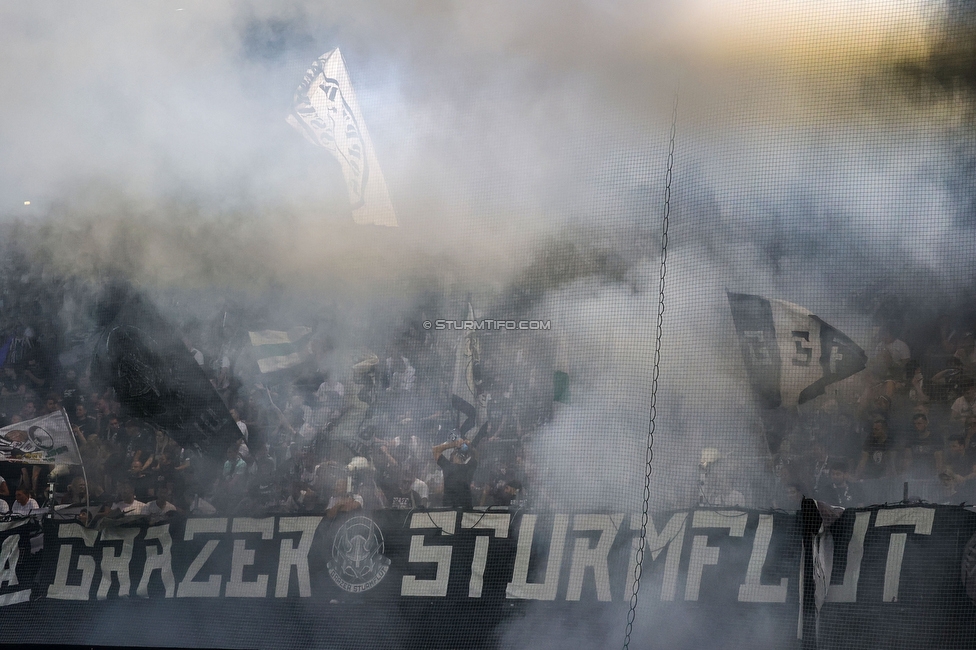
(81,461)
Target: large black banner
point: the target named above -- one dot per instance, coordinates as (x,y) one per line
(890,577)
(154,376)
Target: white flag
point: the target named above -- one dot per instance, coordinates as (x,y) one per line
(327,114)
(466,394)
(47,439)
(275,350)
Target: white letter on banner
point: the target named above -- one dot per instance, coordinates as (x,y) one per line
(117,564)
(243,556)
(847,592)
(670,541)
(520,587)
(289,556)
(701,553)
(411,585)
(753,591)
(9,556)
(160,559)
(921,519)
(211,588)
(595,557)
(60,588)
(497,522)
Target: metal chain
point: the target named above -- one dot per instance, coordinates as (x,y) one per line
(649,454)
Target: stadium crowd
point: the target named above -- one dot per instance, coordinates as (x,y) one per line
(907,421)
(384,435)
(380,430)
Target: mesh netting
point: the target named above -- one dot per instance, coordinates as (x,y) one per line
(549,354)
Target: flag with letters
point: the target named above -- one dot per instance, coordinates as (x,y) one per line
(790,354)
(327,114)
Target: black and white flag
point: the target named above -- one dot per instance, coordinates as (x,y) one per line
(41,440)
(327,114)
(791,355)
(466,393)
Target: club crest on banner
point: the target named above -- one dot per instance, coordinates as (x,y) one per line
(358,563)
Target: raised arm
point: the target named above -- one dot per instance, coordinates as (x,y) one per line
(444,446)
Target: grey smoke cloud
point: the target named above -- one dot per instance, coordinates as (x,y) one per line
(185,103)
(152,138)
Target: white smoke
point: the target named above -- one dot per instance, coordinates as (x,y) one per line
(150,141)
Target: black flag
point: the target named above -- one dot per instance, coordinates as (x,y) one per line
(155,377)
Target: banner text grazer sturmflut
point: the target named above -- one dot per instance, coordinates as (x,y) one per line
(315,580)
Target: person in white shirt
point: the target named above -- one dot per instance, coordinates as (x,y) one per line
(4,508)
(222,372)
(965,406)
(404,378)
(896,351)
(197,355)
(240,423)
(160,509)
(127,505)
(23,503)
(343,500)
